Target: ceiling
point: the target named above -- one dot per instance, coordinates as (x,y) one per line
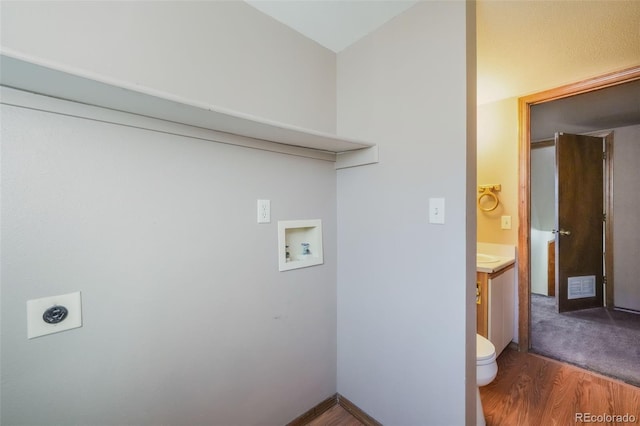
(335,24)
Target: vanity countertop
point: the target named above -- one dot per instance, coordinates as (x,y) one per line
(491,263)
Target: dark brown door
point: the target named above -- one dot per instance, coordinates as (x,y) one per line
(579,221)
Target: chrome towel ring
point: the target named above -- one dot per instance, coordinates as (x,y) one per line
(487,191)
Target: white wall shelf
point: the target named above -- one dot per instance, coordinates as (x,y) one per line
(293,237)
(28,74)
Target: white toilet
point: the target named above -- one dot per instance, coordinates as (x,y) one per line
(486,370)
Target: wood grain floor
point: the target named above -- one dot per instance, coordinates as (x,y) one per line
(532,390)
(336,416)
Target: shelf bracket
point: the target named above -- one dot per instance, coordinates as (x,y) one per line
(358,157)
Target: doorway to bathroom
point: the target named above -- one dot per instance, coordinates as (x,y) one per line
(541,298)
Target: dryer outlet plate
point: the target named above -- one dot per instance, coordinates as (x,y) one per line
(36,308)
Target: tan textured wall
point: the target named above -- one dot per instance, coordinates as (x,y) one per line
(525,47)
(498,163)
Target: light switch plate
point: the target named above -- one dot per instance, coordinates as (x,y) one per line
(436,210)
(264,211)
(505,222)
(37,326)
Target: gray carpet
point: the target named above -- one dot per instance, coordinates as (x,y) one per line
(601,340)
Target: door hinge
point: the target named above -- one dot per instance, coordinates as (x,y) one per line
(604,217)
(604,155)
(604,279)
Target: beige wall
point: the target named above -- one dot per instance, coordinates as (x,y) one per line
(498,164)
(526,47)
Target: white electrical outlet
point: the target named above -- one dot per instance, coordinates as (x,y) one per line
(264,211)
(53,314)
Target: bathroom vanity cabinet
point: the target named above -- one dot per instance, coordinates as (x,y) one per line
(496,306)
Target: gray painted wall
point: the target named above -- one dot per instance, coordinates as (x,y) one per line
(406,344)
(543,199)
(186,317)
(142,220)
(225,53)
(626,180)
(543,213)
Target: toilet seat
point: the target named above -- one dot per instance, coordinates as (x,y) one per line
(485,351)
(486,371)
